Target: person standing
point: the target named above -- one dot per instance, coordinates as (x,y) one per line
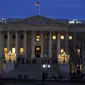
(46,75)
(43,76)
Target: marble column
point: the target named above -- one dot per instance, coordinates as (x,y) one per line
(58,44)
(50,44)
(33,44)
(1,45)
(25,44)
(8,41)
(17,45)
(66,43)
(41,42)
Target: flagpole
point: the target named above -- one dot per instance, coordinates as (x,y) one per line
(39,8)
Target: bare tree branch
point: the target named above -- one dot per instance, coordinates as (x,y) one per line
(73,54)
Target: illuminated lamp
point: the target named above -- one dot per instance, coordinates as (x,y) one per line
(37,48)
(54,37)
(62,37)
(38,39)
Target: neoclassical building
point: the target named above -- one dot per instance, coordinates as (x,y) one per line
(38,36)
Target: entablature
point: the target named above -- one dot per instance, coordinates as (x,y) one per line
(23,27)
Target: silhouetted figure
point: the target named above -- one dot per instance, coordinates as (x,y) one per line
(20,76)
(9,60)
(83,78)
(0,76)
(63,61)
(73,76)
(43,76)
(22,61)
(46,75)
(15,65)
(79,74)
(25,76)
(26,61)
(18,60)
(4,61)
(53,77)
(14,61)
(60,77)
(29,62)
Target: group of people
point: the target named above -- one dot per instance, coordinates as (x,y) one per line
(53,77)
(25,76)
(77,76)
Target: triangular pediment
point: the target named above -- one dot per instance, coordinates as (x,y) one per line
(37,20)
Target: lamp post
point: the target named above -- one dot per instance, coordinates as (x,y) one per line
(46,66)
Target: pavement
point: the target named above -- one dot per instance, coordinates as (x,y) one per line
(45,83)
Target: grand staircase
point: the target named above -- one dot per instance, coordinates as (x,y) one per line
(33,71)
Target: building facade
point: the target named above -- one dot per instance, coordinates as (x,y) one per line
(39,37)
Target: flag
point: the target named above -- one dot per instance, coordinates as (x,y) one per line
(36,3)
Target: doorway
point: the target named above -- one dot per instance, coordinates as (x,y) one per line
(37,51)
(54,52)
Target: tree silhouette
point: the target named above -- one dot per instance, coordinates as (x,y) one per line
(77,59)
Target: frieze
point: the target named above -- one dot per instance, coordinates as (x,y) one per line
(24,27)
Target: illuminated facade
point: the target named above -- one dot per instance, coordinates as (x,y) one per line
(39,37)
(36,37)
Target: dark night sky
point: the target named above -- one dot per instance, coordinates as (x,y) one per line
(62,9)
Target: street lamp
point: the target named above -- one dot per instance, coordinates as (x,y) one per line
(46,65)
(49,66)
